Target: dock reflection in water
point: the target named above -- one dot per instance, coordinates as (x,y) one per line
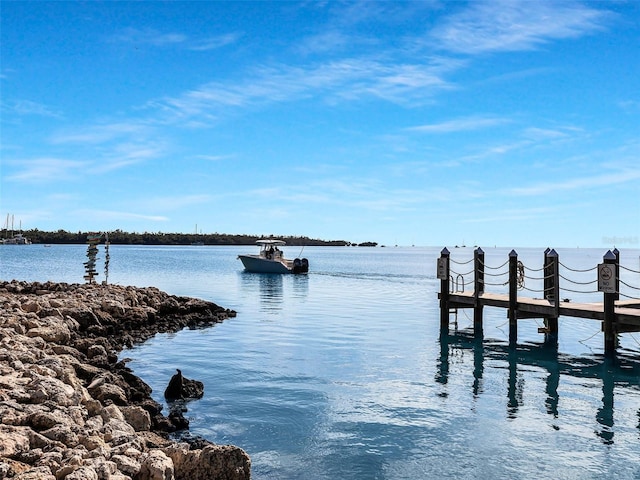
(623,372)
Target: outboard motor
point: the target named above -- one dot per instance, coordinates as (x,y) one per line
(300,265)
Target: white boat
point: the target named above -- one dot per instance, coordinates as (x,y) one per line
(270,259)
(17,239)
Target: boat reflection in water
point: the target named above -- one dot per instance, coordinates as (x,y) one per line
(622,372)
(268,289)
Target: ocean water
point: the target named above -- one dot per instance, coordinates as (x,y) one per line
(343,373)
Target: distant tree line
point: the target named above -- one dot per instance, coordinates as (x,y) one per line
(159,238)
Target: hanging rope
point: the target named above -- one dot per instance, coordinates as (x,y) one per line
(629,297)
(622,267)
(578,270)
(495,268)
(536,269)
(463,274)
(533,290)
(520,277)
(535,278)
(460,263)
(578,291)
(496,274)
(578,283)
(630,286)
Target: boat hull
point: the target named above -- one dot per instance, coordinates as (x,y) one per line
(257,264)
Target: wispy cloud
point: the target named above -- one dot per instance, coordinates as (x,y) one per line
(492,26)
(120,144)
(214,158)
(96,134)
(522,140)
(173,202)
(512,215)
(28,107)
(366,193)
(348,27)
(323,42)
(344,80)
(630,106)
(128,153)
(45,169)
(536,133)
(213,43)
(102,215)
(605,180)
(363,12)
(148,36)
(332,42)
(460,125)
(154,38)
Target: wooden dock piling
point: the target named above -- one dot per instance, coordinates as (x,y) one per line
(609,311)
(478,289)
(513,297)
(444,275)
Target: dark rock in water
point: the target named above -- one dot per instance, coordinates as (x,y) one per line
(177,418)
(192,388)
(183,388)
(195,442)
(174,389)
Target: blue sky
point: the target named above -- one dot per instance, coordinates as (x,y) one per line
(429,123)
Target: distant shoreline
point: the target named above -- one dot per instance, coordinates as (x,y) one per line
(119,237)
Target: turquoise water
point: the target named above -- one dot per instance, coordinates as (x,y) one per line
(342,373)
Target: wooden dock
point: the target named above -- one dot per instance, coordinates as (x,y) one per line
(617,316)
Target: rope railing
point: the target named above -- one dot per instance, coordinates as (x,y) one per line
(540,290)
(526,276)
(497,284)
(494,268)
(563,289)
(537,278)
(629,297)
(461,263)
(578,283)
(496,274)
(577,269)
(622,267)
(463,274)
(538,269)
(630,286)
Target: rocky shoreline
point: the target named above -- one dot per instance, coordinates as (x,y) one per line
(71,410)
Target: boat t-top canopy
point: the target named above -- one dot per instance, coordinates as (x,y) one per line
(271,242)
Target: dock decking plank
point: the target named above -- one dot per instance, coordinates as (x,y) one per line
(625,313)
